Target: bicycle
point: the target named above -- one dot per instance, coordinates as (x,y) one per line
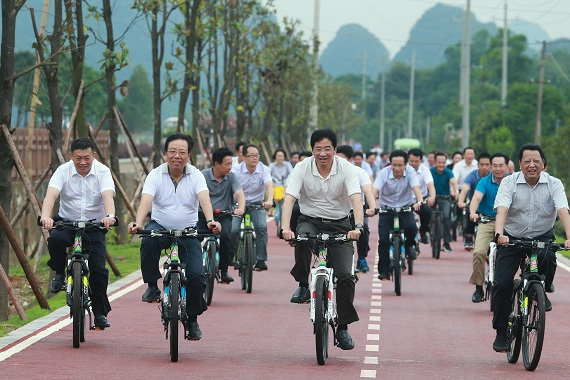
(436,227)
(397,250)
(528,311)
(322,287)
(455,220)
(77,289)
(246,256)
(173,302)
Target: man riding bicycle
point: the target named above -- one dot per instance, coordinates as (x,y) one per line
(396,186)
(445,184)
(173,191)
(527,204)
(257,185)
(482,204)
(223,185)
(326,187)
(415,157)
(85,188)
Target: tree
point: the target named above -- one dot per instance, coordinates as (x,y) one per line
(137,107)
(10,9)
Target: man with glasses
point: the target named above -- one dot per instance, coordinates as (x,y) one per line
(326,187)
(257,185)
(173,191)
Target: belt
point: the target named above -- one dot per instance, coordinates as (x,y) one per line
(325,220)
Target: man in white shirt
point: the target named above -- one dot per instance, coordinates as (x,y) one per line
(85,187)
(326,187)
(238,158)
(174,190)
(257,185)
(462,169)
(427,188)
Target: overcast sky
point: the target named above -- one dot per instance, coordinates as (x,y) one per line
(392,20)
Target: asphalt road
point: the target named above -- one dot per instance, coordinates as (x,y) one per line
(432,330)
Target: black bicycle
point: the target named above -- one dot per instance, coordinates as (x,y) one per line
(528,311)
(246,250)
(436,227)
(77,289)
(173,303)
(397,246)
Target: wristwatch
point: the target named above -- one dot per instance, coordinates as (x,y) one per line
(360,226)
(111,216)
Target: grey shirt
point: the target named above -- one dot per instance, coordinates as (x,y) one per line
(532,210)
(396,192)
(221,193)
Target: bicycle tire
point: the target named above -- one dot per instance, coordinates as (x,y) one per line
(321,321)
(77,313)
(278,217)
(241,262)
(438,235)
(396,268)
(173,317)
(514,326)
(533,328)
(410,266)
(250,251)
(211,269)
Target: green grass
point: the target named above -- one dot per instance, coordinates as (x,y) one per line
(126,258)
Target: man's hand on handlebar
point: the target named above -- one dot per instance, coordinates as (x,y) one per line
(267,205)
(215,227)
(502,240)
(474,217)
(287,234)
(238,212)
(133,228)
(108,221)
(354,234)
(47,223)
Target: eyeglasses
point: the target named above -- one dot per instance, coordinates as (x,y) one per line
(253,155)
(181,153)
(327,149)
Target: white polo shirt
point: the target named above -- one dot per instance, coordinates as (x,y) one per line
(462,170)
(253,184)
(424,177)
(80,197)
(324,197)
(175,207)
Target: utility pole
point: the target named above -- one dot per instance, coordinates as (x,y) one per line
(505,60)
(428,127)
(363,78)
(411,101)
(466,73)
(314,110)
(382,99)
(538,127)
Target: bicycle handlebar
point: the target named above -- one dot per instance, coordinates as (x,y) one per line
(537,244)
(383,210)
(322,237)
(78,224)
(187,232)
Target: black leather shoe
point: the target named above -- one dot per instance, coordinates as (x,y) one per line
(301,295)
(478,296)
(411,253)
(57,284)
(260,265)
(226,277)
(424,239)
(101,322)
(383,276)
(547,304)
(345,342)
(501,343)
(194,332)
(152,294)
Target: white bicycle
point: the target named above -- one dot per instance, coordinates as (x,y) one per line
(322,287)
(491,257)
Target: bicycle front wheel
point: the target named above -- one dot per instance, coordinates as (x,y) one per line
(514,326)
(211,269)
(396,268)
(321,321)
(533,327)
(77,312)
(250,262)
(174,315)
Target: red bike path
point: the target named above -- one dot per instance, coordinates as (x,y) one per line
(432,330)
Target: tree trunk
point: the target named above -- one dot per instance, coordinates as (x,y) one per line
(112,119)
(10,9)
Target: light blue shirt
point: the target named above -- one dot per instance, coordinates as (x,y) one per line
(253,184)
(396,192)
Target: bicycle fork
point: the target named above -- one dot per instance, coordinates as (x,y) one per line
(323,271)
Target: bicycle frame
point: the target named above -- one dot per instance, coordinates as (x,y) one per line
(322,270)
